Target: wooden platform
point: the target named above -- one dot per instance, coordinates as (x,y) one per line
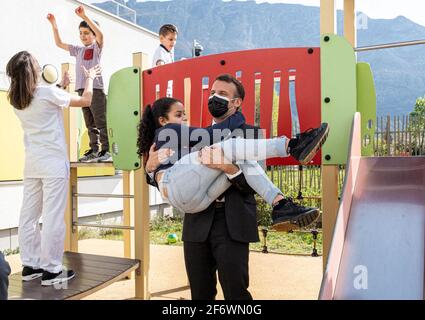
(92,164)
(93,273)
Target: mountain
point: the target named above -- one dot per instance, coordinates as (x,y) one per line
(234,25)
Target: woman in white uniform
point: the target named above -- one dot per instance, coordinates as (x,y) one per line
(39,106)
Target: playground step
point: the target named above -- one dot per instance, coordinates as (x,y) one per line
(92,165)
(93,273)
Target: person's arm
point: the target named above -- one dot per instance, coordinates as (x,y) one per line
(156,157)
(85,99)
(213,158)
(58,40)
(154,161)
(81,12)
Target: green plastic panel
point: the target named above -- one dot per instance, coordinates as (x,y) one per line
(123,116)
(366,105)
(338,78)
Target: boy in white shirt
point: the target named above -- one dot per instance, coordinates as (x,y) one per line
(164,54)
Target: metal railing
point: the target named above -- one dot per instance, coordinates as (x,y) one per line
(389,45)
(75,222)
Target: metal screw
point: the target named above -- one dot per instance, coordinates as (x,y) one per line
(327,100)
(327,157)
(135,70)
(310,50)
(136,113)
(222,62)
(327,38)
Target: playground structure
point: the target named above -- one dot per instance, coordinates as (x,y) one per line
(330,86)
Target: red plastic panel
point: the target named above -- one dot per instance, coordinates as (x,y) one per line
(266,66)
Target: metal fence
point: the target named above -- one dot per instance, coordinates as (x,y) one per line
(303,183)
(399,136)
(394,136)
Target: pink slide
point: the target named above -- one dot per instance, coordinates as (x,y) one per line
(378,250)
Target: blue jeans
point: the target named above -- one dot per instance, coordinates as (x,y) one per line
(4,277)
(191,187)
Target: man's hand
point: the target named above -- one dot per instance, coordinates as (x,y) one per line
(213,157)
(81,12)
(157,157)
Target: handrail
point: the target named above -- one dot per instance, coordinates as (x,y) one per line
(98,195)
(390,45)
(101,226)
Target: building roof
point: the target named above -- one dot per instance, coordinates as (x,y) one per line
(113,16)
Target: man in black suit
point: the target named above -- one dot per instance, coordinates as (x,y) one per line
(217,239)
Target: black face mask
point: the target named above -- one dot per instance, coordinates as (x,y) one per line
(218,106)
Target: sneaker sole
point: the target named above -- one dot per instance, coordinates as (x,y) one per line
(107,160)
(52,282)
(302,221)
(31,277)
(307,158)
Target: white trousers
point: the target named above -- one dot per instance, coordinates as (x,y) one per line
(44,197)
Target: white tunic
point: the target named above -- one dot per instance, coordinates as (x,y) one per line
(44,134)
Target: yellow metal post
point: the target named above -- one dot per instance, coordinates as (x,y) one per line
(350,22)
(327,16)
(141,207)
(330,205)
(330,201)
(71,133)
(126,213)
(70,118)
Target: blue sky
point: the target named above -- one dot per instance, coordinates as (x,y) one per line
(383,9)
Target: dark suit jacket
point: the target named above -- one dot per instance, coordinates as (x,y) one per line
(240,208)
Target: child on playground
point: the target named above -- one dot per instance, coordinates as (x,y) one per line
(89,55)
(164,54)
(39,107)
(191,187)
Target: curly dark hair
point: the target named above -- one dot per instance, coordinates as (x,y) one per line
(150,122)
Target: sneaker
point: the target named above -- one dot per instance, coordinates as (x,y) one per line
(29,273)
(287,216)
(89,156)
(104,156)
(307,143)
(50,279)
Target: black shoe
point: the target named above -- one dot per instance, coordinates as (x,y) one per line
(104,156)
(288,216)
(306,144)
(89,156)
(29,273)
(50,279)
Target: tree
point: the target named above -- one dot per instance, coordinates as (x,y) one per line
(417,126)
